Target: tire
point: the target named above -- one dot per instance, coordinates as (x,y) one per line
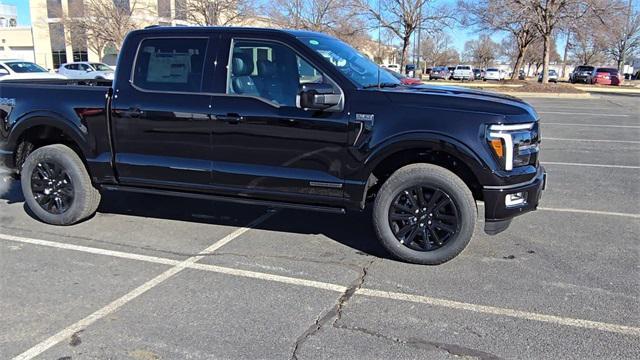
(420,251)
(58,178)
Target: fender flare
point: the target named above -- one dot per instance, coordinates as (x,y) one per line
(74,130)
(429,140)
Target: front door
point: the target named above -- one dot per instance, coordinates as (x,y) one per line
(161,120)
(263,144)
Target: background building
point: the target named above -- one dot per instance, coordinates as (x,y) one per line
(15,42)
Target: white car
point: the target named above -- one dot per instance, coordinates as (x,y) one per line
(494,74)
(394,67)
(86,70)
(463,72)
(553,76)
(23,70)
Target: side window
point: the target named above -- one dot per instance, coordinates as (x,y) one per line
(82,67)
(71,67)
(170,64)
(269,70)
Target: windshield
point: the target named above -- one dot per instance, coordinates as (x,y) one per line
(355,66)
(463,68)
(608,70)
(101,67)
(25,67)
(585,68)
(492,69)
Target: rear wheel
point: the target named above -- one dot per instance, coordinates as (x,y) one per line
(57,187)
(424,214)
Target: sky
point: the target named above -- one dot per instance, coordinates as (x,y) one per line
(24,19)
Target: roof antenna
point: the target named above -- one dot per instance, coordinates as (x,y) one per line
(379,41)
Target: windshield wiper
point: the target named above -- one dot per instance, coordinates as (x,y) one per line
(382,85)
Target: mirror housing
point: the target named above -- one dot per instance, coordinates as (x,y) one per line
(317,96)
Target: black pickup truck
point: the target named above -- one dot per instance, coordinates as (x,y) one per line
(280,118)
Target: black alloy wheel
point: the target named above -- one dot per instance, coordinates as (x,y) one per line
(52,187)
(424,218)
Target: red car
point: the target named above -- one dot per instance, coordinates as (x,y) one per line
(606,76)
(405,79)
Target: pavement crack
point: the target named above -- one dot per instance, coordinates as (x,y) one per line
(452,349)
(335,312)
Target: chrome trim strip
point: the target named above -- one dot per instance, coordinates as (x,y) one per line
(325,184)
(6,152)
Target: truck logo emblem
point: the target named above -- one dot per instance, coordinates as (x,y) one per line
(364,117)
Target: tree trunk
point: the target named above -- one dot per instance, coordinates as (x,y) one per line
(545,58)
(519,60)
(405,50)
(566,51)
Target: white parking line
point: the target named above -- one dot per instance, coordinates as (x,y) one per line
(594,212)
(590,165)
(592,140)
(582,113)
(456,305)
(115,305)
(591,125)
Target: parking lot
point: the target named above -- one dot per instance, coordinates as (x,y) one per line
(151,277)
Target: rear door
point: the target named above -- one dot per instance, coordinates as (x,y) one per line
(161,118)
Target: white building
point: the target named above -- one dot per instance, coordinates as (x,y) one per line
(8,16)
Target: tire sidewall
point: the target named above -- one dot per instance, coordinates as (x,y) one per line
(75,173)
(432,176)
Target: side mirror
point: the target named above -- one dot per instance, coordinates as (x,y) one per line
(317,96)
(4,72)
(89,70)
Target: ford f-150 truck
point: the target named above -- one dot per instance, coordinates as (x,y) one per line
(280,118)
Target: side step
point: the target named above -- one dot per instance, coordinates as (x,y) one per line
(274,204)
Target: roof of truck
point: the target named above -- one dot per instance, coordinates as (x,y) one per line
(227,29)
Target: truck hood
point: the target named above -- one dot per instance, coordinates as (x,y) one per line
(457,98)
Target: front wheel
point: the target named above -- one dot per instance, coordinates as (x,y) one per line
(424,214)
(56,186)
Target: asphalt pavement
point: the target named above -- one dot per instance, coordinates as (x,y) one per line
(153,277)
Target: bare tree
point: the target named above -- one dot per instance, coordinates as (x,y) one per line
(436,50)
(103,23)
(404,17)
(548,16)
(482,51)
(338,18)
(217,12)
(587,46)
(535,54)
(621,31)
(502,15)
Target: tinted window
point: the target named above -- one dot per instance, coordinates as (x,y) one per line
(584,68)
(608,70)
(268,70)
(463,68)
(492,69)
(71,67)
(170,64)
(25,67)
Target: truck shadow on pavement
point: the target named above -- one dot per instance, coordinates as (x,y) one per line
(353,230)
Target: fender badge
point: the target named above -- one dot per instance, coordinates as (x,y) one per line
(364,117)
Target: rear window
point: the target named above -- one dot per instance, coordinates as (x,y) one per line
(170,64)
(584,68)
(463,68)
(492,69)
(608,70)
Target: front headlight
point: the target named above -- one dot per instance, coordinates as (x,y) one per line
(514,145)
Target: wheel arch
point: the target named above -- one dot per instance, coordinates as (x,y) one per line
(39,129)
(429,148)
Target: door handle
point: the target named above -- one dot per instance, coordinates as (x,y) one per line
(131,112)
(230,118)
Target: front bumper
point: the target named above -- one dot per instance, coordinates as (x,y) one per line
(498,215)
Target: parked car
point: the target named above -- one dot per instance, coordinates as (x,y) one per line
(451,70)
(606,76)
(291,119)
(439,73)
(522,75)
(494,74)
(86,70)
(22,70)
(553,76)
(394,67)
(463,72)
(404,79)
(582,73)
(477,74)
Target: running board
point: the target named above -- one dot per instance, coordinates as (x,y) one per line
(274,204)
